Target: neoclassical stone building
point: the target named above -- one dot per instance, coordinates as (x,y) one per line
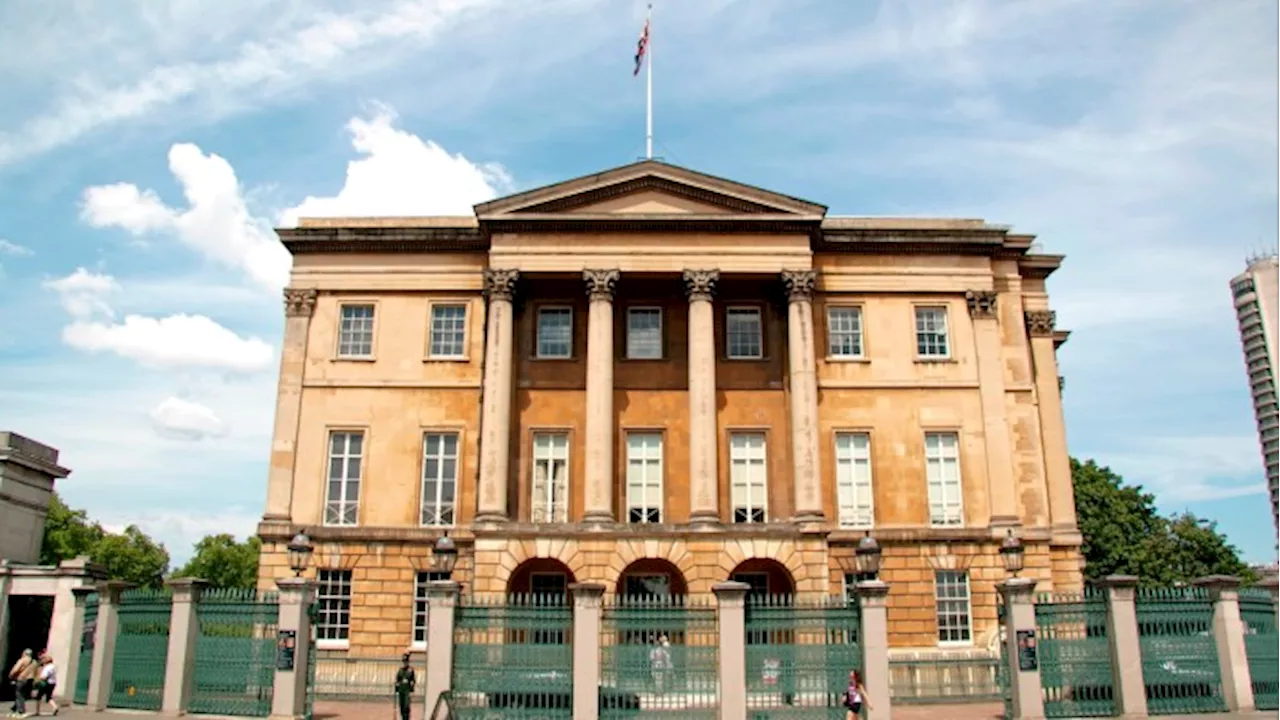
(658,380)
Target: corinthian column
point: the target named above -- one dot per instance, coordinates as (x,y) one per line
(1002,487)
(299,306)
(495,415)
(598,498)
(804,394)
(704,486)
(1057,465)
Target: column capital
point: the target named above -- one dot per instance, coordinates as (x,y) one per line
(500,283)
(299,302)
(443,593)
(1040,323)
(587,594)
(1017,591)
(1120,587)
(800,284)
(601,283)
(700,284)
(187,589)
(731,594)
(294,589)
(872,593)
(982,303)
(82,593)
(112,589)
(1220,587)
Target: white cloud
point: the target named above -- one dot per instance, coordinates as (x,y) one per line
(186,420)
(191,341)
(180,529)
(1184,469)
(83,293)
(401,174)
(14,249)
(217,223)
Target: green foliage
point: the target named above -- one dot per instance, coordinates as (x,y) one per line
(1124,534)
(224,562)
(130,555)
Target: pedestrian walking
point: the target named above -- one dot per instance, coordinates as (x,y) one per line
(46,682)
(855,697)
(406,681)
(23,673)
(660,663)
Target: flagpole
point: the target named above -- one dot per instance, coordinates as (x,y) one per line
(648,94)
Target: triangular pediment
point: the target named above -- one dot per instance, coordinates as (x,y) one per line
(648,189)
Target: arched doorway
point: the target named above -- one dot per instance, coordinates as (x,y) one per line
(540,577)
(768,578)
(651,578)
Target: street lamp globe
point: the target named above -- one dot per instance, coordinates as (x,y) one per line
(1011,552)
(300,550)
(868,555)
(445,554)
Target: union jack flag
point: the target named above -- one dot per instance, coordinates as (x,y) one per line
(641,46)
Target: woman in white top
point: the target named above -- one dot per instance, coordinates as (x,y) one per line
(46,683)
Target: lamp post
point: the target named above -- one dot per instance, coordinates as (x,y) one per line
(1011,552)
(300,550)
(868,557)
(444,554)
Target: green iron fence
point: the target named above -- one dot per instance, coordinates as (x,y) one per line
(639,673)
(1179,657)
(952,678)
(84,666)
(1075,655)
(513,657)
(309,709)
(342,677)
(142,649)
(1002,669)
(1261,645)
(799,654)
(234,669)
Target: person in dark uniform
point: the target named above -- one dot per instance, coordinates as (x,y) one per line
(406,681)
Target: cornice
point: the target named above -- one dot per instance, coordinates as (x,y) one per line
(756,224)
(646,183)
(382,240)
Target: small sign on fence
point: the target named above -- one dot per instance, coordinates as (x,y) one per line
(90,631)
(286,644)
(1027,651)
(771,670)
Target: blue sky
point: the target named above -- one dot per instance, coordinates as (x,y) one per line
(147,148)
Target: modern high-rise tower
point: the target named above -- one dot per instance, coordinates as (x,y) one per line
(1257,297)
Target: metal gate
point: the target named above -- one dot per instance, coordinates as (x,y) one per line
(84,666)
(659,656)
(513,657)
(234,669)
(142,649)
(799,654)
(1261,645)
(1074,654)
(1179,656)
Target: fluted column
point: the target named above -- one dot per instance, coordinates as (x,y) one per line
(598,505)
(1002,487)
(299,306)
(804,394)
(704,487)
(495,416)
(1057,464)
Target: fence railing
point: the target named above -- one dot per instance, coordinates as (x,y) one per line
(343,677)
(142,649)
(1262,646)
(924,678)
(659,654)
(1074,652)
(234,668)
(799,654)
(1180,667)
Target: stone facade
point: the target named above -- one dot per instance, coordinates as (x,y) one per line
(28,470)
(787,401)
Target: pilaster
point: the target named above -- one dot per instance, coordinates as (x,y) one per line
(704,501)
(1126,652)
(104,643)
(1057,464)
(598,495)
(289,698)
(495,414)
(873,602)
(442,601)
(1020,614)
(586,649)
(1003,491)
(731,601)
(184,629)
(1228,636)
(71,671)
(803,393)
(299,306)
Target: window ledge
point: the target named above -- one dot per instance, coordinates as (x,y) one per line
(745,359)
(539,358)
(955,644)
(848,359)
(354,358)
(333,644)
(936,361)
(417,647)
(446,358)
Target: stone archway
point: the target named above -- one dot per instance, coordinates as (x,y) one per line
(541,577)
(651,577)
(766,576)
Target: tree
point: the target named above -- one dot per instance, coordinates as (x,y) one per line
(131,555)
(224,562)
(1124,533)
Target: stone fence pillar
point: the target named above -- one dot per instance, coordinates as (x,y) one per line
(104,642)
(1126,652)
(442,601)
(289,691)
(1020,615)
(731,599)
(71,671)
(586,649)
(874,637)
(184,629)
(1228,637)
